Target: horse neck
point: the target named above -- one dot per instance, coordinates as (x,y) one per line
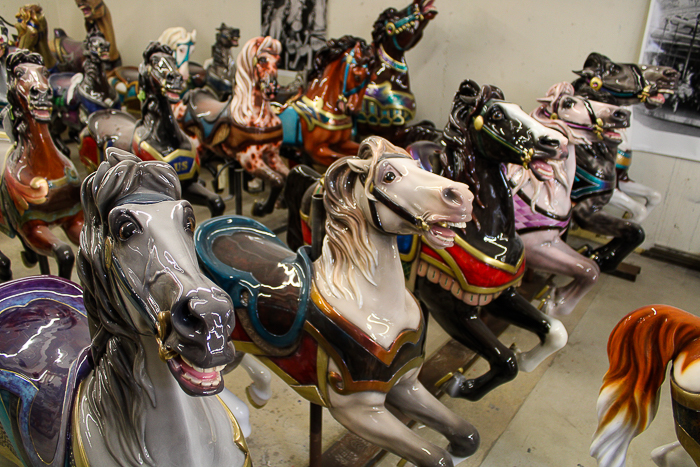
(161,122)
(39,152)
(329,86)
(95,76)
(219,55)
(200,425)
(398,79)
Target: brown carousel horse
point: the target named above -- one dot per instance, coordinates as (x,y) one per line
(389,104)
(32,33)
(639,349)
(40,186)
(319,122)
(243,128)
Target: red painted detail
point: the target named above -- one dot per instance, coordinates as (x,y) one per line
(301,365)
(476,272)
(88,152)
(306,232)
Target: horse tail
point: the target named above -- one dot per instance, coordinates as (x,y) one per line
(639,349)
(300,178)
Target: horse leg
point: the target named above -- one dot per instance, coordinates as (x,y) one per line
(364,414)
(5,268)
(410,397)
(545,250)
(260,390)
(240,411)
(512,307)
(40,238)
(272,158)
(653,198)
(628,235)
(72,226)
(672,455)
(623,201)
(462,323)
(347,147)
(252,161)
(199,195)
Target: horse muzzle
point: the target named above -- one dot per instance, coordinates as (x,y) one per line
(40,104)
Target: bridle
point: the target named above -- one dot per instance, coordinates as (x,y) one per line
(645,87)
(525,154)
(393,29)
(351,61)
(597,125)
(382,198)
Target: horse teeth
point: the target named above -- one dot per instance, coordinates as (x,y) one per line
(459,225)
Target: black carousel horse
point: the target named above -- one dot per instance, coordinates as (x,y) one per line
(221,69)
(156,136)
(486,264)
(389,104)
(77,96)
(603,80)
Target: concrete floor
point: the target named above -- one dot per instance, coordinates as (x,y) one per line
(544,418)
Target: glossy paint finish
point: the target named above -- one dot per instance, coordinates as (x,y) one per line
(156,136)
(352,302)
(484,132)
(98,16)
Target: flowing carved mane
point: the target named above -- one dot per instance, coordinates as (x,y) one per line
(243,102)
(333,50)
(120,379)
(347,244)
(458,161)
(177,35)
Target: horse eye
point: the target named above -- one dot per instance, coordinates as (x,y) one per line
(19,72)
(262,60)
(496,114)
(190,224)
(567,103)
(389,177)
(127,230)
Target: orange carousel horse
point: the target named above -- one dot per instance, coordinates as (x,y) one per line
(39,186)
(319,123)
(639,350)
(243,128)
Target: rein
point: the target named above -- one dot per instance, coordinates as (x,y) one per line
(381,197)
(350,60)
(641,83)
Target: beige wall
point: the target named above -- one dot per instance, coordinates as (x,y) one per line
(522,46)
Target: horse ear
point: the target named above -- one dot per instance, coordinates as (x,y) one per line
(469,88)
(116,155)
(360,166)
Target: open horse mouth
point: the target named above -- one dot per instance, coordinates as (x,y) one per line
(194,380)
(542,170)
(440,233)
(41,111)
(428,9)
(87,11)
(172,94)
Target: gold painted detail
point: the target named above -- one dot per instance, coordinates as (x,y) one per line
(687,399)
(183,171)
(238,437)
(314,115)
(163,330)
(79,455)
(493,262)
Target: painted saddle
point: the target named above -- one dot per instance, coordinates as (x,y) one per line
(283,319)
(43,326)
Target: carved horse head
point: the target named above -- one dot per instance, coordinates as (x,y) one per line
(28,93)
(590,119)
(96,46)
(92,9)
(603,80)
(227,37)
(158,73)
(400,30)
(182,43)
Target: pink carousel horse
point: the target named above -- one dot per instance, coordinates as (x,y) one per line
(541,196)
(243,128)
(639,350)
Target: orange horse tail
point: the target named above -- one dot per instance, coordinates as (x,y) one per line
(639,349)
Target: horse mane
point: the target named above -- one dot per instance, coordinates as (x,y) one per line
(242,103)
(333,49)
(172,36)
(119,377)
(14,109)
(379,27)
(347,244)
(145,84)
(639,349)
(458,160)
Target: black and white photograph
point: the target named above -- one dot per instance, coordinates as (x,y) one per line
(300,25)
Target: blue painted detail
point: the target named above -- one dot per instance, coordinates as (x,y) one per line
(291,127)
(405,242)
(236,282)
(182,164)
(586,184)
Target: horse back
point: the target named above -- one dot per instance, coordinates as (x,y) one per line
(44,336)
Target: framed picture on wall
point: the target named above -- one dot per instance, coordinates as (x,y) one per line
(300,25)
(672,38)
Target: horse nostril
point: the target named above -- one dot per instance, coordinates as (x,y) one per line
(34,92)
(453,196)
(621,115)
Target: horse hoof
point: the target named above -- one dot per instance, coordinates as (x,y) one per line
(585,250)
(255,400)
(29,259)
(259,209)
(459,386)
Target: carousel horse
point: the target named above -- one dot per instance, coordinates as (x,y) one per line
(182,44)
(32,33)
(77,96)
(156,136)
(541,197)
(389,104)
(639,350)
(336,330)
(483,268)
(221,66)
(112,375)
(627,84)
(319,123)
(244,128)
(40,187)
(97,16)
